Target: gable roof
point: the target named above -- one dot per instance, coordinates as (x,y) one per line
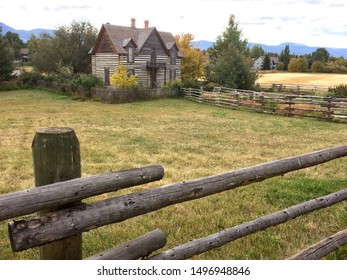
(121,36)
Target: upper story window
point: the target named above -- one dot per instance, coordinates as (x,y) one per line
(153,56)
(173,56)
(131,54)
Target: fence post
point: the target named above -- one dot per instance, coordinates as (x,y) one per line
(56,156)
(329,112)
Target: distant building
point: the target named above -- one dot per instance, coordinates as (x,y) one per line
(23,55)
(258,63)
(152,55)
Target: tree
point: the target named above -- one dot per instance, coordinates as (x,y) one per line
(257,51)
(73,43)
(229,64)
(44,58)
(122,79)
(317,66)
(69,46)
(285,57)
(6,60)
(266,63)
(193,63)
(321,54)
(298,65)
(15,42)
(280,66)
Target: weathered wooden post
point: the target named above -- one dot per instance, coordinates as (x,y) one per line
(56,156)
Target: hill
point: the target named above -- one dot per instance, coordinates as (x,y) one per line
(24,34)
(295,48)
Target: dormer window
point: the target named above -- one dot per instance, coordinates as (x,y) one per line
(130,54)
(173,56)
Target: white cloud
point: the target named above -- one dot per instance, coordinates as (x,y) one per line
(311,22)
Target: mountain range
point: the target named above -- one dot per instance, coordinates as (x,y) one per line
(24,34)
(295,48)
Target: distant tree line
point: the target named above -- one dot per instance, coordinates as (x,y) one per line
(320,61)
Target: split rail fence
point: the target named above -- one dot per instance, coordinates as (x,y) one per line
(56,158)
(327,108)
(296,88)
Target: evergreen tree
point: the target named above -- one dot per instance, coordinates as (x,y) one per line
(266,63)
(285,57)
(257,51)
(229,61)
(6,60)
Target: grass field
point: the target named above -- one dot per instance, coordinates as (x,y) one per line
(190,140)
(302,78)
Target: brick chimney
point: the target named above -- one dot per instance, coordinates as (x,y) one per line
(133,21)
(146,23)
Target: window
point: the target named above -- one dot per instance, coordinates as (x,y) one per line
(153,56)
(173,56)
(131,72)
(130,54)
(172,74)
(107,76)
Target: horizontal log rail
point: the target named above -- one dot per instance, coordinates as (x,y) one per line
(31,232)
(32,200)
(223,237)
(323,248)
(328,108)
(139,247)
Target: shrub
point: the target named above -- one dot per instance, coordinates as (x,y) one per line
(122,79)
(87,81)
(30,79)
(210,86)
(340,91)
(174,84)
(9,85)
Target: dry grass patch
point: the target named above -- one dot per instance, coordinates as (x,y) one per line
(302,78)
(190,140)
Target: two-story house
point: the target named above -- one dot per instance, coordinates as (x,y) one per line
(150,54)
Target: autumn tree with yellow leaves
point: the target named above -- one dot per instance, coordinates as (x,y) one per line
(194,60)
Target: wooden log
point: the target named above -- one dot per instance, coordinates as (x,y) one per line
(223,237)
(56,156)
(139,247)
(323,248)
(29,201)
(31,232)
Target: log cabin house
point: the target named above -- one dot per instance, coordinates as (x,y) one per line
(152,55)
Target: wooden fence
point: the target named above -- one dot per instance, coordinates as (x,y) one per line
(71,217)
(296,88)
(327,108)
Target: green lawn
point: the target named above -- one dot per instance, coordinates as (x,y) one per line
(190,140)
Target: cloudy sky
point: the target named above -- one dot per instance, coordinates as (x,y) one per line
(310,22)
